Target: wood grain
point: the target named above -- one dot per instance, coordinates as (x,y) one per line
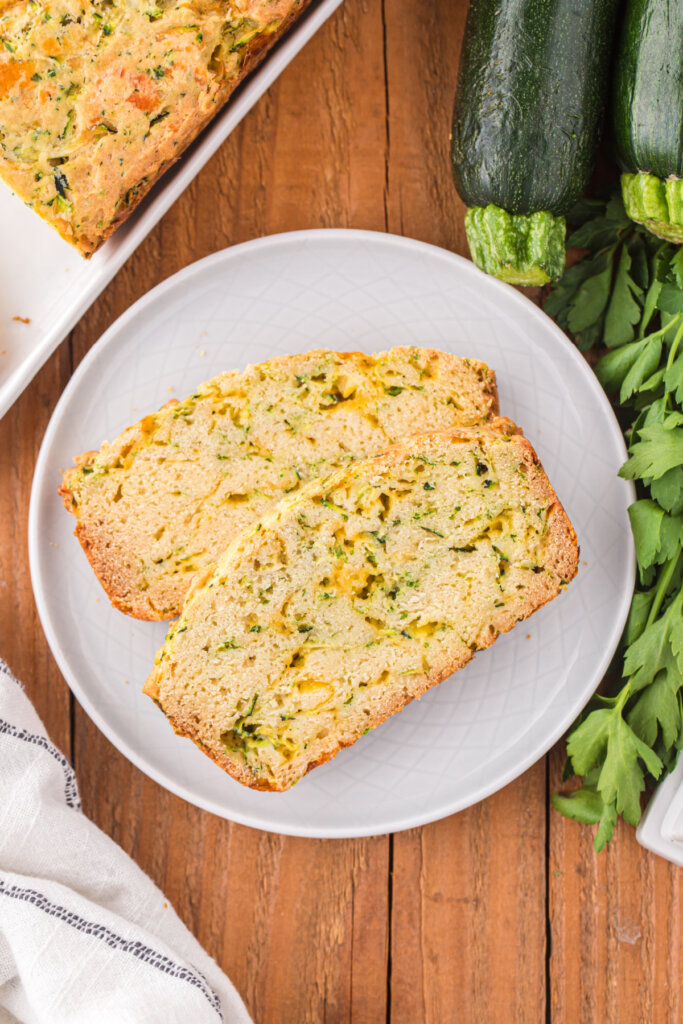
(616,928)
(422,52)
(22,643)
(500,914)
(468,913)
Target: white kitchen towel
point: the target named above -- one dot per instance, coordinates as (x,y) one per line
(85,936)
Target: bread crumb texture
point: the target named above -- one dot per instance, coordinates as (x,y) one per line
(98,97)
(162,501)
(356,595)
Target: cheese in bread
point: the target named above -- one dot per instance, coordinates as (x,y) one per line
(162,501)
(358,594)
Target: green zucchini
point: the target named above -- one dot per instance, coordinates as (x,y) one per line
(648,115)
(526,126)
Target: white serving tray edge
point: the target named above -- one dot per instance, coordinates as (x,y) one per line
(661,829)
(45,281)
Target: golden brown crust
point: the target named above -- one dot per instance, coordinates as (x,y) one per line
(109,576)
(241,774)
(106,570)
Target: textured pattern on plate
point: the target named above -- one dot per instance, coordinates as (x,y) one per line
(349,290)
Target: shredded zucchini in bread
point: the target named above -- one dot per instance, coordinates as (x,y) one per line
(163,500)
(98,97)
(356,595)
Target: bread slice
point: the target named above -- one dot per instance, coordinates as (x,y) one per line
(98,99)
(163,500)
(357,595)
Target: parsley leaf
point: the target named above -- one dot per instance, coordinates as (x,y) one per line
(626,296)
(622,778)
(605,831)
(668,490)
(605,738)
(623,311)
(670,298)
(599,231)
(638,614)
(628,367)
(657,707)
(676,264)
(658,649)
(673,378)
(646,522)
(592,295)
(583,804)
(659,449)
(590,278)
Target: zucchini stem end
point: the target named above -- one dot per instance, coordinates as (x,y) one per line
(523,249)
(656,203)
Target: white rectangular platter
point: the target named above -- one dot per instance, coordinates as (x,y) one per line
(45,286)
(661,829)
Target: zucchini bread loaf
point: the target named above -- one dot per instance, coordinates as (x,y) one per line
(98,97)
(164,499)
(355,596)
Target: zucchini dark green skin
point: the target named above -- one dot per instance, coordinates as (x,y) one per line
(528,111)
(648,114)
(648,95)
(531,94)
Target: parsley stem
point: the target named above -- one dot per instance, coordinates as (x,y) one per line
(675,343)
(622,697)
(662,587)
(663,330)
(672,355)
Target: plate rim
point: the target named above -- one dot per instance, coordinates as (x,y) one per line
(501,775)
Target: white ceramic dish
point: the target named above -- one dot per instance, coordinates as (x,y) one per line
(661,829)
(45,281)
(348,290)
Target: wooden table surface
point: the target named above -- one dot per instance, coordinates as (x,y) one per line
(500,913)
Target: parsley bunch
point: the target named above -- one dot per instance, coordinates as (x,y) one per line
(626,295)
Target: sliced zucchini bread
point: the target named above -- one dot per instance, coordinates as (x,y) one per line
(99,97)
(164,499)
(357,595)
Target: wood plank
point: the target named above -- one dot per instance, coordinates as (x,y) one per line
(22,642)
(616,927)
(300,926)
(422,52)
(468,917)
(325,936)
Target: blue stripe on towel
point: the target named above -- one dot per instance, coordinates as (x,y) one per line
(136,948)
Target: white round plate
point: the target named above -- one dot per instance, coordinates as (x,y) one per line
(347,290)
